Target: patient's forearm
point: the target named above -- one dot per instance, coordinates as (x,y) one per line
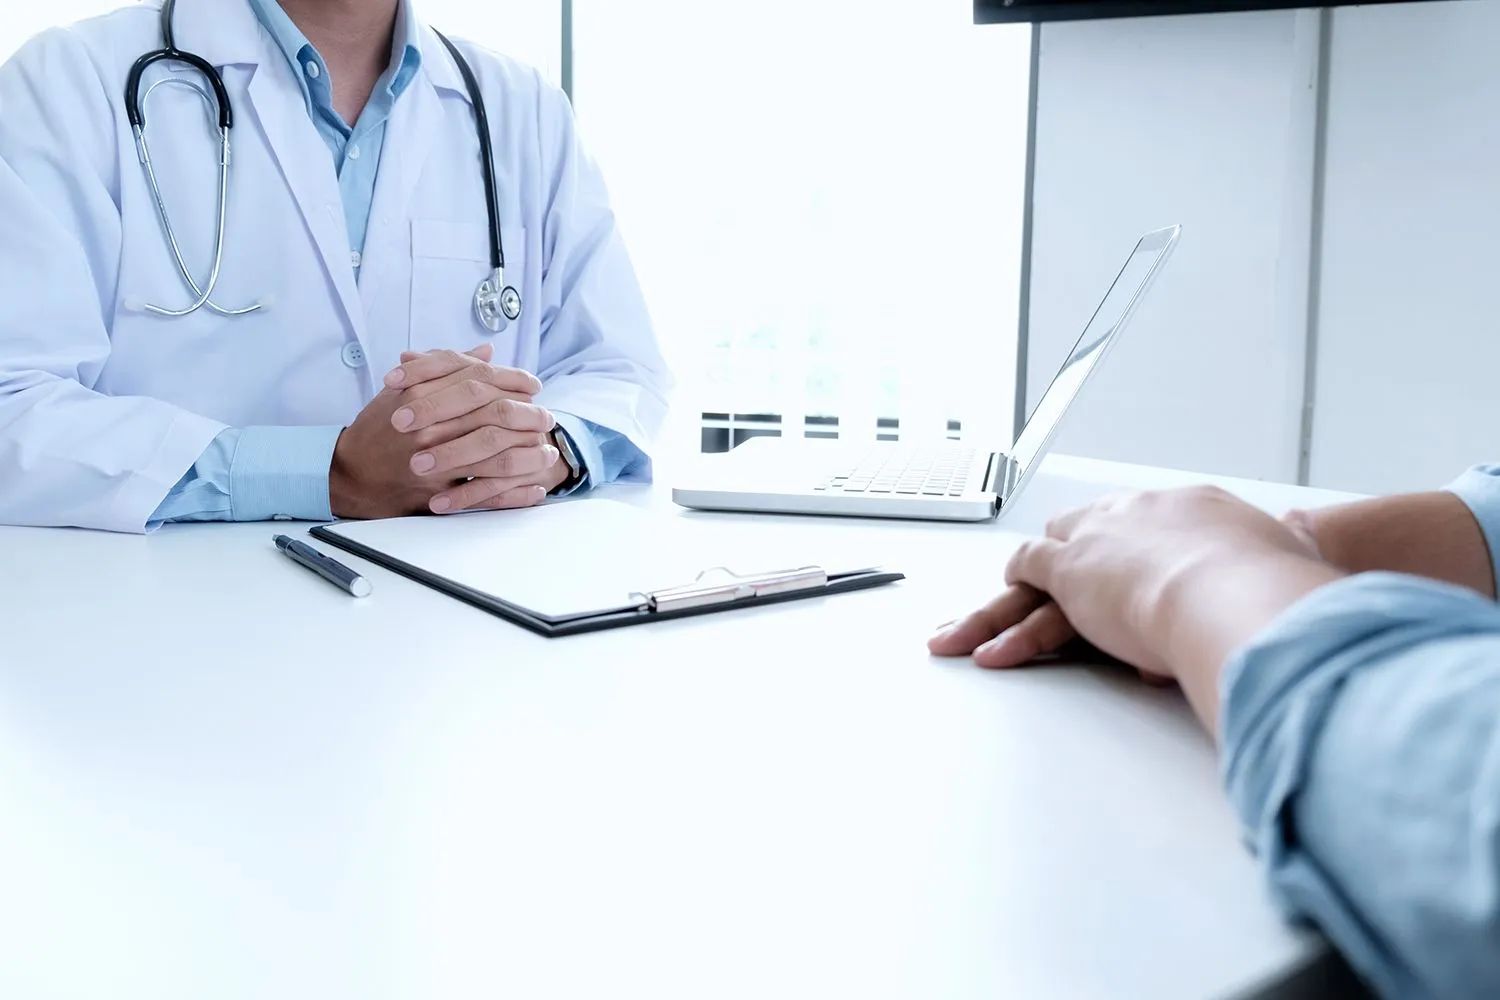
(1204,616)
(1424,534)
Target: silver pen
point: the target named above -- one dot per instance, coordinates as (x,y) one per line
(328,568)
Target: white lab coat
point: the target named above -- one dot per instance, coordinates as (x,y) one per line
(104,407)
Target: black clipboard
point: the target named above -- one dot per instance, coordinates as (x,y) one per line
(726,592)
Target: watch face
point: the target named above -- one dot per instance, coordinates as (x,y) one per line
(569,455)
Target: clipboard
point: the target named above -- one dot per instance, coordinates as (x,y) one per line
(399,546)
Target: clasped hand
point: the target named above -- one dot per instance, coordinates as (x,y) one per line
(449,432)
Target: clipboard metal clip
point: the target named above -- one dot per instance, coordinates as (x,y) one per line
(722,586)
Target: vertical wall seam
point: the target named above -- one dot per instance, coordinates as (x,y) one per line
(1315,249)
(1023,328)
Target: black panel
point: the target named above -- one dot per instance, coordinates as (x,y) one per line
(1000,12)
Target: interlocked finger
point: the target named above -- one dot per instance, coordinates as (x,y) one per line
(453,398)
(466,455)
(488,494)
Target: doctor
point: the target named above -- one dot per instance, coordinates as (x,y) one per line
(335,364)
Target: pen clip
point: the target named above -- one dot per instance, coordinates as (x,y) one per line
(721,585)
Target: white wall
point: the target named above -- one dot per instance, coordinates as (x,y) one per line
(1206,121)
(1408,340)
(1209,120)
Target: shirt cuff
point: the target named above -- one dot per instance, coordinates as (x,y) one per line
(585,445)
(1479,488)
(281,473)
(1276,691)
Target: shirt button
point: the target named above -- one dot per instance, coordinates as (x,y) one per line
(354,151)
(312,69)
(354,355)
(355,258)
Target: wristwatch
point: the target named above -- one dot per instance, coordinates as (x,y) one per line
(569,455)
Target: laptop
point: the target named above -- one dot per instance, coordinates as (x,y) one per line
(948,482)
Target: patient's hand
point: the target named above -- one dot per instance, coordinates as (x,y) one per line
(1169,582)
(1015,628)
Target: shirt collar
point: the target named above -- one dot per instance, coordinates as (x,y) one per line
(406,49)
(406,46)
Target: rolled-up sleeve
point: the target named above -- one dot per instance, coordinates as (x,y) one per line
(1362,752)
(1479,488)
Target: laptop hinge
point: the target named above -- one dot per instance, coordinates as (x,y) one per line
(999,479)
(992,474)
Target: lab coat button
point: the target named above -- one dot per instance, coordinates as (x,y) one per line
(354,356)
(312,69)
(354,151)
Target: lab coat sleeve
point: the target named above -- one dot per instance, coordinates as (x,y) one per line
(70,455)
(599,357)
(1362,752)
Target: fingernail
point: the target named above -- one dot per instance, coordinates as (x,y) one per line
(423,463)
(995,645)
(538,494)
(550,454)
(395,377)
(403,418)
(441,505)
(944,631)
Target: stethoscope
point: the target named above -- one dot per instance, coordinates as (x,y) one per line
(496,303)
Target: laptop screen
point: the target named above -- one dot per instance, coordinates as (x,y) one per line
(1101,333)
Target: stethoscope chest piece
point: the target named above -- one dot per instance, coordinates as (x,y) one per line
(496,304)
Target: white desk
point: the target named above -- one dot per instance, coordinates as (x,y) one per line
(220,777)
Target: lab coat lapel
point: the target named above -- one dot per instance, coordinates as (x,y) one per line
(277,104)
(415,124)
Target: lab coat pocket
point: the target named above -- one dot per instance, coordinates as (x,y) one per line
(449,260)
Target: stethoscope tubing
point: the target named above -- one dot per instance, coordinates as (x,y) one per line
(495,301)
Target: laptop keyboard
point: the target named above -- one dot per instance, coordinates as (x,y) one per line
(931,472)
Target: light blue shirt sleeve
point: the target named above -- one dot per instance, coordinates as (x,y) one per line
(1480,489)
(607,456)
(1362,751)
(256,474)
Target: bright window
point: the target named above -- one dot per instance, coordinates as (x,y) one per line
(824,201)
(528,30)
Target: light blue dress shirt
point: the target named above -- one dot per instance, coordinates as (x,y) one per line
(356,150)
(257,473)
(1362,751)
